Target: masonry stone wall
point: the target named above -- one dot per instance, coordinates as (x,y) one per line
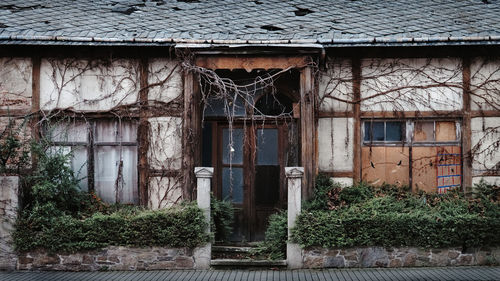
(110,258)
(398,257)
(9,186)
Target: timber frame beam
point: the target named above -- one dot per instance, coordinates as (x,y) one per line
(307,130)
(250,63)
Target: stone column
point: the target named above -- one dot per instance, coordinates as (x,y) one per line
(294,181)
(9,189)
(203,255)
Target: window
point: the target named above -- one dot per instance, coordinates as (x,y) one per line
(383,131)
(425,154)
(104,156)
(436,131)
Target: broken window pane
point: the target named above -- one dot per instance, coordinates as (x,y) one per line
(270,104)
(267,185)
(206,158)
(234,149)
(232,183)
(267,146)
(216,107)
(393,131)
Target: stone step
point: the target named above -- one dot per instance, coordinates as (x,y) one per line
(231,249)
(231,252)
(247,263)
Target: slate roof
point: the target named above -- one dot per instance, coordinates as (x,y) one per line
(326,22)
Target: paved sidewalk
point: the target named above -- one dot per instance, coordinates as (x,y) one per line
(448,273)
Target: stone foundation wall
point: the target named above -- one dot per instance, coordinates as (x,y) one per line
(9,186)
(398,257)
(111,258)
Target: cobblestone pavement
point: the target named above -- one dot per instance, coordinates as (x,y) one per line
(448,273)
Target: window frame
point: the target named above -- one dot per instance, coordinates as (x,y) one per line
(91,144)
(371,142)
(409,132)
(458,133)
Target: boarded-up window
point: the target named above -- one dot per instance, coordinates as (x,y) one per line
(436,153)
(104,156)
(432,147)
(385,159)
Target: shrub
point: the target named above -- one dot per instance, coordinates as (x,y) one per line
(57,216)
(274,245)
(181,226)
(391,216)
(222,218)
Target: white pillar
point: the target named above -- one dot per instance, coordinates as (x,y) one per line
(294,181)
(203,255)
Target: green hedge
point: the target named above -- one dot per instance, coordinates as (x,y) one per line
(176,227)
(390,216)
(331,230)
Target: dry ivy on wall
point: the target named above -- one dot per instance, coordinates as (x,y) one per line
(412,88)
(120,97)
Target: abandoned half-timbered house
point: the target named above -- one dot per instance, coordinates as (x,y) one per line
(142,92)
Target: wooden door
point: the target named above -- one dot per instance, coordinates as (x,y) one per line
(250,173)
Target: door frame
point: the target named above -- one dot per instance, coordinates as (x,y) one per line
(192,111)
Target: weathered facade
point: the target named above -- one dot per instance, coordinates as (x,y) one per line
(140,110)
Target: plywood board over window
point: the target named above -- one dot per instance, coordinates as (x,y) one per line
(383,164)
(432,146)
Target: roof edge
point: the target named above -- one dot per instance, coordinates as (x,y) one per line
(297,43)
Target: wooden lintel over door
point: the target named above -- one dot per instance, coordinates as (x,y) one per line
(250,63)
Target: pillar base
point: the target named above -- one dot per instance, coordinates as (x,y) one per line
(293,256)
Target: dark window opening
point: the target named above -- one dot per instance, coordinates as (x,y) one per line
(384,131)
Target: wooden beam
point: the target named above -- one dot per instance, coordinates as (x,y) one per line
(15,112)
(411,114)
(307,130)
(466,126)
(339,174)
(143,134)
(250,63)
(164,173)
(35,104)
(326,114)
(485,113)
(356,88)
(191,135)
(35,85)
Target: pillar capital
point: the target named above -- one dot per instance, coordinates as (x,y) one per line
(294,172)
(204,172)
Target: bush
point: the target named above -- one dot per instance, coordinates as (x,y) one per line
(181,226)
(391,216)
(57,216)
(274,245)
(222,218)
